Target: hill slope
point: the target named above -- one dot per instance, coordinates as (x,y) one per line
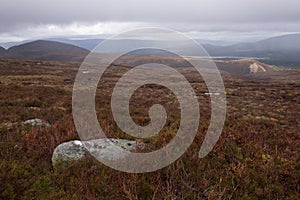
(46,50)
(244,67)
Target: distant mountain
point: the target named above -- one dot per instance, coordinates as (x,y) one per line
(88,44)
(7,45)
(83,43)
(275,44)
(2,51)
(281,50)
(280,43)
(214,42)
(46,50)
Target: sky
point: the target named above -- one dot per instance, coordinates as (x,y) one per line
(228,20)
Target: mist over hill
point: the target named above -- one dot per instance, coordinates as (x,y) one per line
(281,50)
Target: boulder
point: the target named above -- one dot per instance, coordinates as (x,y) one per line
(100,148)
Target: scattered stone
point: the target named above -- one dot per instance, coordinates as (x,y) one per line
(36,122)
(212,93)
(100,148)
(67,81)
(35,108)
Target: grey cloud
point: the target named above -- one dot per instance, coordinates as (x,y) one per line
(189,15)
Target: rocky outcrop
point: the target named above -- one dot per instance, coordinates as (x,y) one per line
(254,68)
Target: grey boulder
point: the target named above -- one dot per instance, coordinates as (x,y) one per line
(99,148)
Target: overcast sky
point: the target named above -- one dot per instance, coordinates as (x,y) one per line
(231,20)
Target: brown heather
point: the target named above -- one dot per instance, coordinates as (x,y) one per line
(257,156)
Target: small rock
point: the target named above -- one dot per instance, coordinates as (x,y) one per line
(67,81)
(36,122)
(212,93)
